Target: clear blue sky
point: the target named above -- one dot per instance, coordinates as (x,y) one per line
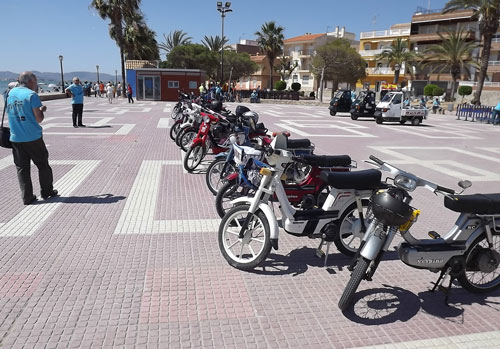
(36,32)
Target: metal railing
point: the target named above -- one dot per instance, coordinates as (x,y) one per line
(493,62)
(474,83)
(479,113)
(309,52)
(423,11)
(382,33)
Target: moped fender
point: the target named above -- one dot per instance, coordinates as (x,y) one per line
(268,212)
(196,141)
(372,247)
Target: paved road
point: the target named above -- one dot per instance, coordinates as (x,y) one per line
(128,255)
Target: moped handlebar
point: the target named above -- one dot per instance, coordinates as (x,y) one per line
(377,160)
(446,190)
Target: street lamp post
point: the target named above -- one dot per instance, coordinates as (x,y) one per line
(62,74)
(397,67)
(97,68)
(116,77)
(223,10)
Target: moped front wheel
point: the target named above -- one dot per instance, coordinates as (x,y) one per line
(174,130)
(193,157)
(252,249)
(482,266)
(228,192)
(356,277)
(217,172)
(349,232)
(187,138)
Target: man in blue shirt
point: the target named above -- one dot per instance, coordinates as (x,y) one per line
(25,112)
(75,90)
(495,118)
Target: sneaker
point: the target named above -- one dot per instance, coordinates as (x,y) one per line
(30,201)
(82,125)
(75,126)
(47,196)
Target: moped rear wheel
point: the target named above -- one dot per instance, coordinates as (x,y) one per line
(348,234)
(482,266)
(248,252)
(193,158)
(217,172)
(350,290)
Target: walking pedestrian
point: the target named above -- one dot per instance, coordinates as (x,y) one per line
(96,89)
(101,89)
(110,91)
(129,94)
(76,92)
(26,112)
(495,116)
(119,89)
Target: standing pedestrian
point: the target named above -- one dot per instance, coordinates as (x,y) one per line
(110,91)
(495,116)
(25,112)
(101,89)
(119,89)
(129,94)
(76,92)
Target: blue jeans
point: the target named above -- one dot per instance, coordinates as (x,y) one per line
(495,117)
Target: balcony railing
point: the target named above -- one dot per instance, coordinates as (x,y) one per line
(495,40)
(474,83)
(306,52)
(382,33)
(380,71)
(493,62)
(371,52)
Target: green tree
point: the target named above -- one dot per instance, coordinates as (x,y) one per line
(280,85)
(487,12)
(453,55)
(238,65)
(285,67)
(118,12)
(270,39)
(337,61)
(399,53)
(215,44)
(175,38)
(140,42)
(192,56)
(429,89)
(464,91)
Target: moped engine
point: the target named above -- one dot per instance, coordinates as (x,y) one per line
(307,202)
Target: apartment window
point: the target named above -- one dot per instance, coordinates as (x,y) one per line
(305,80)
(173,84)
(295,78)
(193,85)
(368,46)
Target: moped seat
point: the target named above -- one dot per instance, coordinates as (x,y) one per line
(298,143)
(327,160)
(476,203)
(359,180)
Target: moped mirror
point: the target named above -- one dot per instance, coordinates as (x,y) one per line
(465,184)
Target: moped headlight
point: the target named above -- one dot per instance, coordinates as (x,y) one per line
(405,182)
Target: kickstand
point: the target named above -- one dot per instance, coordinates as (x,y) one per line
(439,284)
(320,253)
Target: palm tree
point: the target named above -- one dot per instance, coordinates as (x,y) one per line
(270,39)
(117,11)
(174,39)
(140,42)
(453,54)
(214,44)
(398,54)
(487,12)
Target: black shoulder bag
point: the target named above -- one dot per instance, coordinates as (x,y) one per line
(5,131)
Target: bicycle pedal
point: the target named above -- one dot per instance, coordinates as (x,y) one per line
(433,235)
(320,253)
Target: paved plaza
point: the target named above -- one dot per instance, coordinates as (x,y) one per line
(127,256)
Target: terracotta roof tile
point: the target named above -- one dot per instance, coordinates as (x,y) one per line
(304,37)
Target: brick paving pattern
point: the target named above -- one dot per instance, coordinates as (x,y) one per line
(128,255)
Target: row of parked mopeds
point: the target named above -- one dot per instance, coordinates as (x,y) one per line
(319,196)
